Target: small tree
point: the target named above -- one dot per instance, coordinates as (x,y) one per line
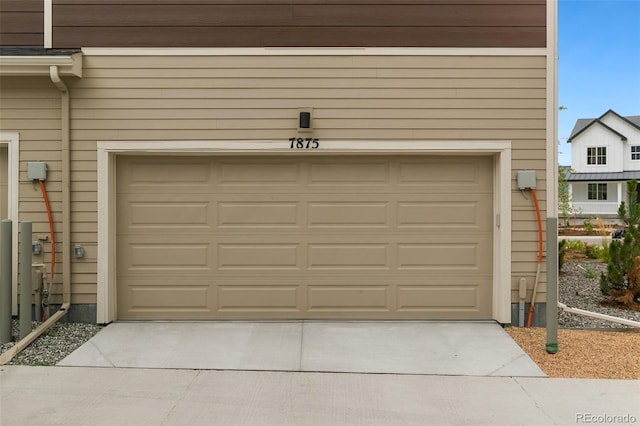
(622,280)
(565,204)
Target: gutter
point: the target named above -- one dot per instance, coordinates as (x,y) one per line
(54,74)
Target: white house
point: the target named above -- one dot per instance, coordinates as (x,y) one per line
(605,154)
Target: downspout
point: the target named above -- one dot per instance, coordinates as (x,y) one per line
(66,224)
(66,187)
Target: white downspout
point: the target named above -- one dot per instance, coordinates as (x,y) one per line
(66,224)
(66,186)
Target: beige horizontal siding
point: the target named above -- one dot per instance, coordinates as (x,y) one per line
(291,83)
(313,62)
(31,107)
(238,98)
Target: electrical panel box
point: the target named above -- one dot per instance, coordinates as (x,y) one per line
(526,179)
(37,170)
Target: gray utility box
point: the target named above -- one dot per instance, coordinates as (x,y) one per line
(37,170)
(526,179)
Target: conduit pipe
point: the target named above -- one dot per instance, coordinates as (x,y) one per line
(535,285)
(65,143)
(52,269)
(597,315)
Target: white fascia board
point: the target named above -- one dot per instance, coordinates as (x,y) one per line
(39,65)
(314,51)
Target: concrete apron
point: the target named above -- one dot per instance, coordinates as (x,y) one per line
(411,347)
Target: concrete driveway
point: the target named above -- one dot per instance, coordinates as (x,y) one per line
(411,347)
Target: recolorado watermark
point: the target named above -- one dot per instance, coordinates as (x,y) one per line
(605,418)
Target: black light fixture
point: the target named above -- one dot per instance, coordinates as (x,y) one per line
(304,119)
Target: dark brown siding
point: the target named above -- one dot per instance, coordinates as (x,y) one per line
(22,23)
(299,23)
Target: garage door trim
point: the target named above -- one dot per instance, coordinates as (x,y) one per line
(107,151)
(11,141)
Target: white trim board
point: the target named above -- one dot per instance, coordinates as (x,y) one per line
(48,24)
(12,140)
(108,150)
(314,51)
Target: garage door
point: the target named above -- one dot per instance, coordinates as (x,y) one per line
(304,237)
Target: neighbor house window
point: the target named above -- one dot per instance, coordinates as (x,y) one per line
(635,152)
(597,191)
(597,155)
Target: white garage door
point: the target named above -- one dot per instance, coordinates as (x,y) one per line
(304,237)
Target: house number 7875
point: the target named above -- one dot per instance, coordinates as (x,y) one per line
(306,143)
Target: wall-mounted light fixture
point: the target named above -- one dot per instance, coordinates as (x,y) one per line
(304,120)
(78,251)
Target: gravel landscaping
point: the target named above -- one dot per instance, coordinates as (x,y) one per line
(54,344)
(588,347)
(579,287)
(585,349)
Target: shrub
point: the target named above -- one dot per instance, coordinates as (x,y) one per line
(588,226)
(594,251)
(562,251)
(601,227)
(575,245)
(605,255)
(621,282)
(590,272)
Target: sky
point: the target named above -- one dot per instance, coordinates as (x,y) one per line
(598,62)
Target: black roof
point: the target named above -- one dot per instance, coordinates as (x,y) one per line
(606,176)
(36,51)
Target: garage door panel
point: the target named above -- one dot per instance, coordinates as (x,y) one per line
(457,175)
(268,296)
(258,174)
(348,296)
(436,256)
(175,296)
(253,214)
(446,215)
(161,254)
(346,173)
(442,255)
(167,214)
(160,174)
(430,297)
(305,237)
(265,256)
(169,256)
(329,214)
(362,256)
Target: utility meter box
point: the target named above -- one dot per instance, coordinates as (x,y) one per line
(526,179)
(37,170)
